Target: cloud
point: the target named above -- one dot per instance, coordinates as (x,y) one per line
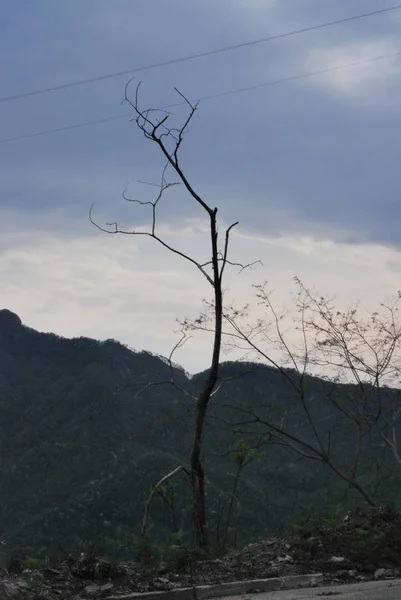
(130,289)
(373,84)
(370,84)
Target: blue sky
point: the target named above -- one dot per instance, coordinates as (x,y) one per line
(310,168)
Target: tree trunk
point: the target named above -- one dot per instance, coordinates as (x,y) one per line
(197,473)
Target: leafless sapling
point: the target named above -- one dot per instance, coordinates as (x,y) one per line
(156,127)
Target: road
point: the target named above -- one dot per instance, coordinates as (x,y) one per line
(371,590)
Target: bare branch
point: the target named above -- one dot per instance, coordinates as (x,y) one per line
(155,237)
(155,489)
(227,379)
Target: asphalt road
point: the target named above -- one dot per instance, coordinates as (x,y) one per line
(371,590)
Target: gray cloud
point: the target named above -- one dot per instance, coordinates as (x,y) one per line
(315,157)
(324,157)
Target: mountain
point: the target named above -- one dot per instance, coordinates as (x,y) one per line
(87,427)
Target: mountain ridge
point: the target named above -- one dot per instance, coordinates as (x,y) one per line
(84,436)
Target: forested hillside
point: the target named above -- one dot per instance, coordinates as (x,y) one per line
(83,440)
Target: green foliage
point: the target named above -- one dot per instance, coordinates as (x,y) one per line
(178,556)
(35,563)
(148,552)
(174,555)
(243,555)
(244,453)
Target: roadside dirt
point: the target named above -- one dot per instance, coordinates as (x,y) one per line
(364,546)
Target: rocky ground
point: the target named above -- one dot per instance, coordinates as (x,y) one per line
(365,545)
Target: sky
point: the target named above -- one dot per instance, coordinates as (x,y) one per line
(309,167)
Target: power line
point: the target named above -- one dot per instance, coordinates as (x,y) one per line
(65,128)
(189,57)
(205,98)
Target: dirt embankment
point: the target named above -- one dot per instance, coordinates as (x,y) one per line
(364,545)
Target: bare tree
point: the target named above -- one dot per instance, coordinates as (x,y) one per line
(155,126)
(366,349)
(340,347)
